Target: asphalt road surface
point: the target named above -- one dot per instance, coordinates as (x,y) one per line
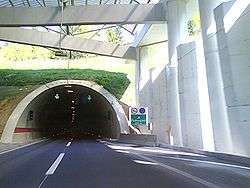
(100,164)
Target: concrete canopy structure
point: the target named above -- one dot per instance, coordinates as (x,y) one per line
(52,40)
(33,102)
(14,14)
(83,15)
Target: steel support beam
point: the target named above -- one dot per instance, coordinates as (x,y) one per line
(51,40)
(86,15)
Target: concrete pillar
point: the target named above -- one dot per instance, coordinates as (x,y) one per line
(194,109)
(219,114)
(177,32)
(173,108)
(144,86)
(159,103)
(137,75)
(233,49)
(189,96)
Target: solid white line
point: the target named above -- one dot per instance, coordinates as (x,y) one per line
(20,147)
(40,185)
(208,162)
(53,167)
(177,171)
(68,144)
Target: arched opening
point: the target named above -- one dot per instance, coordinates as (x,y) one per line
(71,111)
(66,109)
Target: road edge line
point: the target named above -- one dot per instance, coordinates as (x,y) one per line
(20,147)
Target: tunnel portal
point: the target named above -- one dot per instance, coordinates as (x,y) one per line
(66,110)
(73,111)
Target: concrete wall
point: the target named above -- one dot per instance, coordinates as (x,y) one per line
(152,89)
(233,33)
(206,82)
(139,139)
(30,127)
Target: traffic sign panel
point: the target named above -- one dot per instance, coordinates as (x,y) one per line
(138,116)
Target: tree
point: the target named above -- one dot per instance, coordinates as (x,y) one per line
(193,25)
(114,35)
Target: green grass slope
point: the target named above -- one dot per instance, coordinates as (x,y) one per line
(115,83)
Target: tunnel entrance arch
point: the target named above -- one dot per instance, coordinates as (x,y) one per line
(12,123)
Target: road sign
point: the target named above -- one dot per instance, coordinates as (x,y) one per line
(138,116)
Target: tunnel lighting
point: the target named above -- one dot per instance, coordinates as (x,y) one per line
(72,107)
(70,91)
(68,86)
(89,97)
(57,96)
(73,101)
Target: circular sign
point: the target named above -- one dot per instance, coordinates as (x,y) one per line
(142,110)
(134,110)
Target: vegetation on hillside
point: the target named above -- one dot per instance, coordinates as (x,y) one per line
(19,52)
(115,83)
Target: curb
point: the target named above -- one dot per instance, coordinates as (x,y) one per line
(223,156)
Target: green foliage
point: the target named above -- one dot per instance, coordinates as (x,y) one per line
(19,52)
(115,83)
(114,35)
(9,91)
(193,25)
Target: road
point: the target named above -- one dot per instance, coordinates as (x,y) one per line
(101,164)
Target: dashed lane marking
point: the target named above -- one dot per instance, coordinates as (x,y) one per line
(68,144)
(54,166)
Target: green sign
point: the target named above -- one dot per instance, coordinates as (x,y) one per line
(138,119)
(138,116)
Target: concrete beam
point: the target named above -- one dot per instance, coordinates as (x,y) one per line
(85,15)
(51,40)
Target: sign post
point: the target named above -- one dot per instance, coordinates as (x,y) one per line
(138,116)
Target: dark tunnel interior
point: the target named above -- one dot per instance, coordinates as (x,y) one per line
(72,111)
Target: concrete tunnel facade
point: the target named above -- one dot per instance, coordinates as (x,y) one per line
(66,108)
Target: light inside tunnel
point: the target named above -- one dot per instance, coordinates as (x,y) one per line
(71,112)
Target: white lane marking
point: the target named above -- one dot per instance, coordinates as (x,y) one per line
(145,162)
(151,150)
(23,146)
(177,171)
(55,164)
(40,185)
(208,162)
(68,144)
